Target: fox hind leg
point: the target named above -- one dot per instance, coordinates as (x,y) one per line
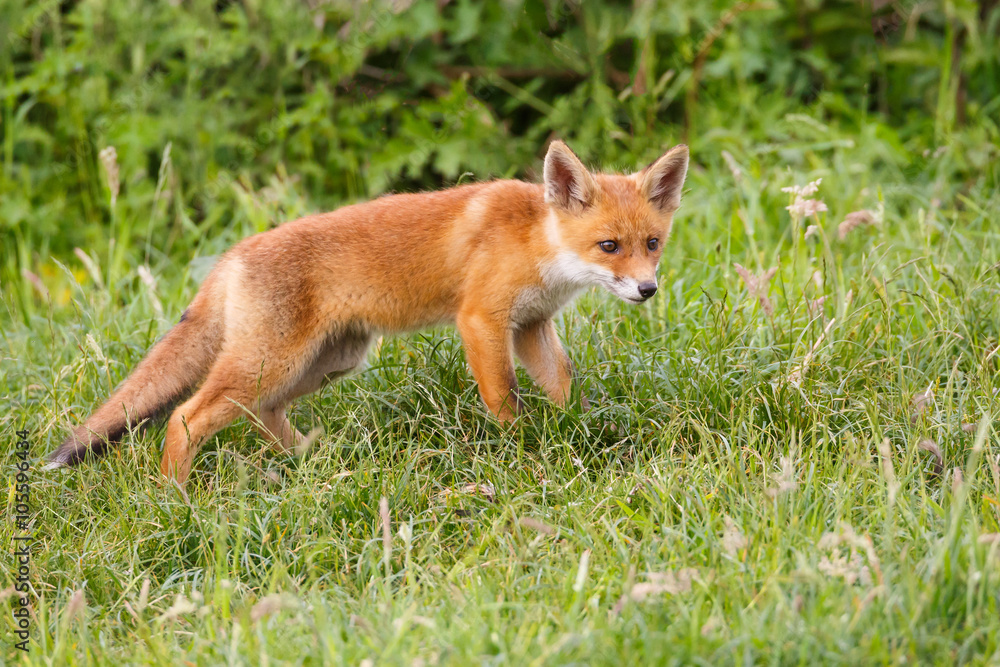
(339,355)
(273,424)
(218,402)
(233,388)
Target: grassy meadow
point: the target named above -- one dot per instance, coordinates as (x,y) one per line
(792,455)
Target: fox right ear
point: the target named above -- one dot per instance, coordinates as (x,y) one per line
(568,184)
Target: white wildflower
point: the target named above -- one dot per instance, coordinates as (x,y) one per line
(803,190)
(804,208)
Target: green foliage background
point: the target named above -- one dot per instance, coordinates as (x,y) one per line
(315,104)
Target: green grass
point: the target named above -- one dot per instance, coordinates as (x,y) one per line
(778,521)
(749,487)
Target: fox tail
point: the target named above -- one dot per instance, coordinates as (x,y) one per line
(177,363)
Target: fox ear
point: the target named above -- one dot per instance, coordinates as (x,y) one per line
(568,184)
(662,181)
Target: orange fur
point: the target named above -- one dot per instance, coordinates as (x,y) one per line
(288,309)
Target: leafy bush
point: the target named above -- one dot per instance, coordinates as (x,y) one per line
(207,101)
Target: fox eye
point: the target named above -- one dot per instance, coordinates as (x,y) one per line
(653,244)
(608,246)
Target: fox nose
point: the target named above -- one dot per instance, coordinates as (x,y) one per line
(647,290)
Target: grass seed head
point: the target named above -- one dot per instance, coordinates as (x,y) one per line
(957,480)
(759,285)
(815,307)
(181,607)
(928,445)
(920,403)
(77,604)
(854,220)
(785,479)
(146,276)
(732,539)
(271,604)
(36,282)
(109,160)
(664,583)
(143,595)
(734,166)
(850,568)
(888,470)
(536,525)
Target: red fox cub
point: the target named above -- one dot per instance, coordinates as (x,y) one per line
(287,309)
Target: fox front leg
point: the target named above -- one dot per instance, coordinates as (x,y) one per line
(539,349)
(487,343)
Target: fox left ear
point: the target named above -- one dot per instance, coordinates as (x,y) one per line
(662,181)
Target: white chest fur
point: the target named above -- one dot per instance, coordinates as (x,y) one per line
(535,304)
(563,277)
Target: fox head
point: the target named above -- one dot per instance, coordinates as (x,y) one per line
(609,229)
